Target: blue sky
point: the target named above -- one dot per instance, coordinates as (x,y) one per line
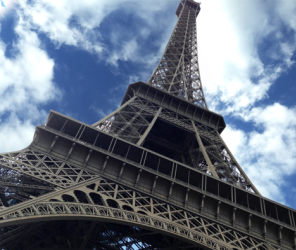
(78,57)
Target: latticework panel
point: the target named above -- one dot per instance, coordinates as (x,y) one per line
(130,122)
(27,174)
(103,199)
(178,70)
(223,161)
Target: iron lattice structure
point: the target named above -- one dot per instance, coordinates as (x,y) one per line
(178,70)
(154,174)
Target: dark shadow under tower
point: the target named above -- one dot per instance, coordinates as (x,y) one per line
(154,174)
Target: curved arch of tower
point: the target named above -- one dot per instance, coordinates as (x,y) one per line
(154,174)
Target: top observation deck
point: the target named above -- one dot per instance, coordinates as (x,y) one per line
(190,3)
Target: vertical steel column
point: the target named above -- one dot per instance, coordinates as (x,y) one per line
(204,152)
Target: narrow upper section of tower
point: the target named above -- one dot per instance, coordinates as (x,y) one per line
(190,3)
(178,71)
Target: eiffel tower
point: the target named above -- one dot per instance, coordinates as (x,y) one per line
(154,174)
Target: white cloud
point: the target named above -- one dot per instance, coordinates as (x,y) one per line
(26,78)
(15,134)
(5,7)
(268,153)
(127,52)
(26,82)
(286,10)
(57,19)
(230,36)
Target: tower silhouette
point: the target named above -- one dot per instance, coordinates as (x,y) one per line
(154,174)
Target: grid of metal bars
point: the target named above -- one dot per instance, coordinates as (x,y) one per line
(178,70)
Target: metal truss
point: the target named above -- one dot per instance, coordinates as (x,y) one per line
(131,121)
(225,165)
(168,180)
(44,167)
(178,69)
(202,146)
(27,173)
(103,200)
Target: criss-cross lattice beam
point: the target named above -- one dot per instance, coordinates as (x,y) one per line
(178,70)
(126,205)
(209,153)
(43,167)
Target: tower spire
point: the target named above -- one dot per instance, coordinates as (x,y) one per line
(178,70)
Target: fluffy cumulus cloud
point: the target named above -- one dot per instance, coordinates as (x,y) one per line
(26,82)
(20,85)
